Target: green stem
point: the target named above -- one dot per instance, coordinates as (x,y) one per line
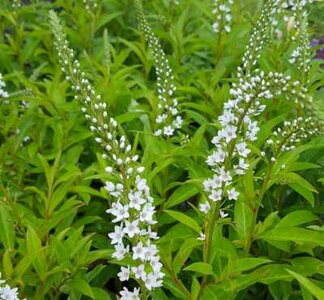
(256,207)
(178,282)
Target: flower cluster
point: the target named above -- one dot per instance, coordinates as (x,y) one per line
(292,9)
(292,133)
(15,4)
(238,121)
(239,127)
(222,11)
(295,14)
(90,4)
(132,209)
(168,119)
(259,34)
(3,93)
(6,292)
(302,54)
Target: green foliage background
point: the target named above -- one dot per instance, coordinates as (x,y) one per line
(53,225)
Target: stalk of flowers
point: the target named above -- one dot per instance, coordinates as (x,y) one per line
(132,208)
(238,128)
(222,9)
(3,93)
(301,55)
(239,125)
(16,4)
(292,10)
(6,292)
(90,5)
(287,137)
(260,34)
(168,119)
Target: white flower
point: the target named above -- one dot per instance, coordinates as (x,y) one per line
(216,157)
(141,184)
(158,132)
(127,295)
(210,184)
(161,118)
(3,93)
(241,167)
(177,122)
(119,211)
(151,234)
(7,293)
(120,251)
(225,175)
(139,272)
(229,133)
(110,187)
(124,274)
(131,228)
(135,200)
(227,117)
(146,214)
(201,237)
(152,281)
(156,265)
(242,149)
(151,251)
(139,251)
(252,131)
(204,207)
(216,195)
(232,194)
(117,236)
(168,130)
(216,139)
(223,214)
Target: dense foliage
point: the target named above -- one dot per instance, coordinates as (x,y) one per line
(161,149)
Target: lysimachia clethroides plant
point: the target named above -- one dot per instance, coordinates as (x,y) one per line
(233,163)
(168,119)
(132,209)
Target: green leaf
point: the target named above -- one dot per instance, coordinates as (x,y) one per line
(195,288)
(308,195)
(243,217)
(183,253)
(34,245)
(294,234)
(184,219)
(216,292)
(7,263)
(80,285)
(280,290)
(297,218)
(267,223)
(7,232)
(58,196)
(307,265)
(100,294)
(200,267)
(247,263)
(181,194)
(46,168)
(295,178)
(309,285)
